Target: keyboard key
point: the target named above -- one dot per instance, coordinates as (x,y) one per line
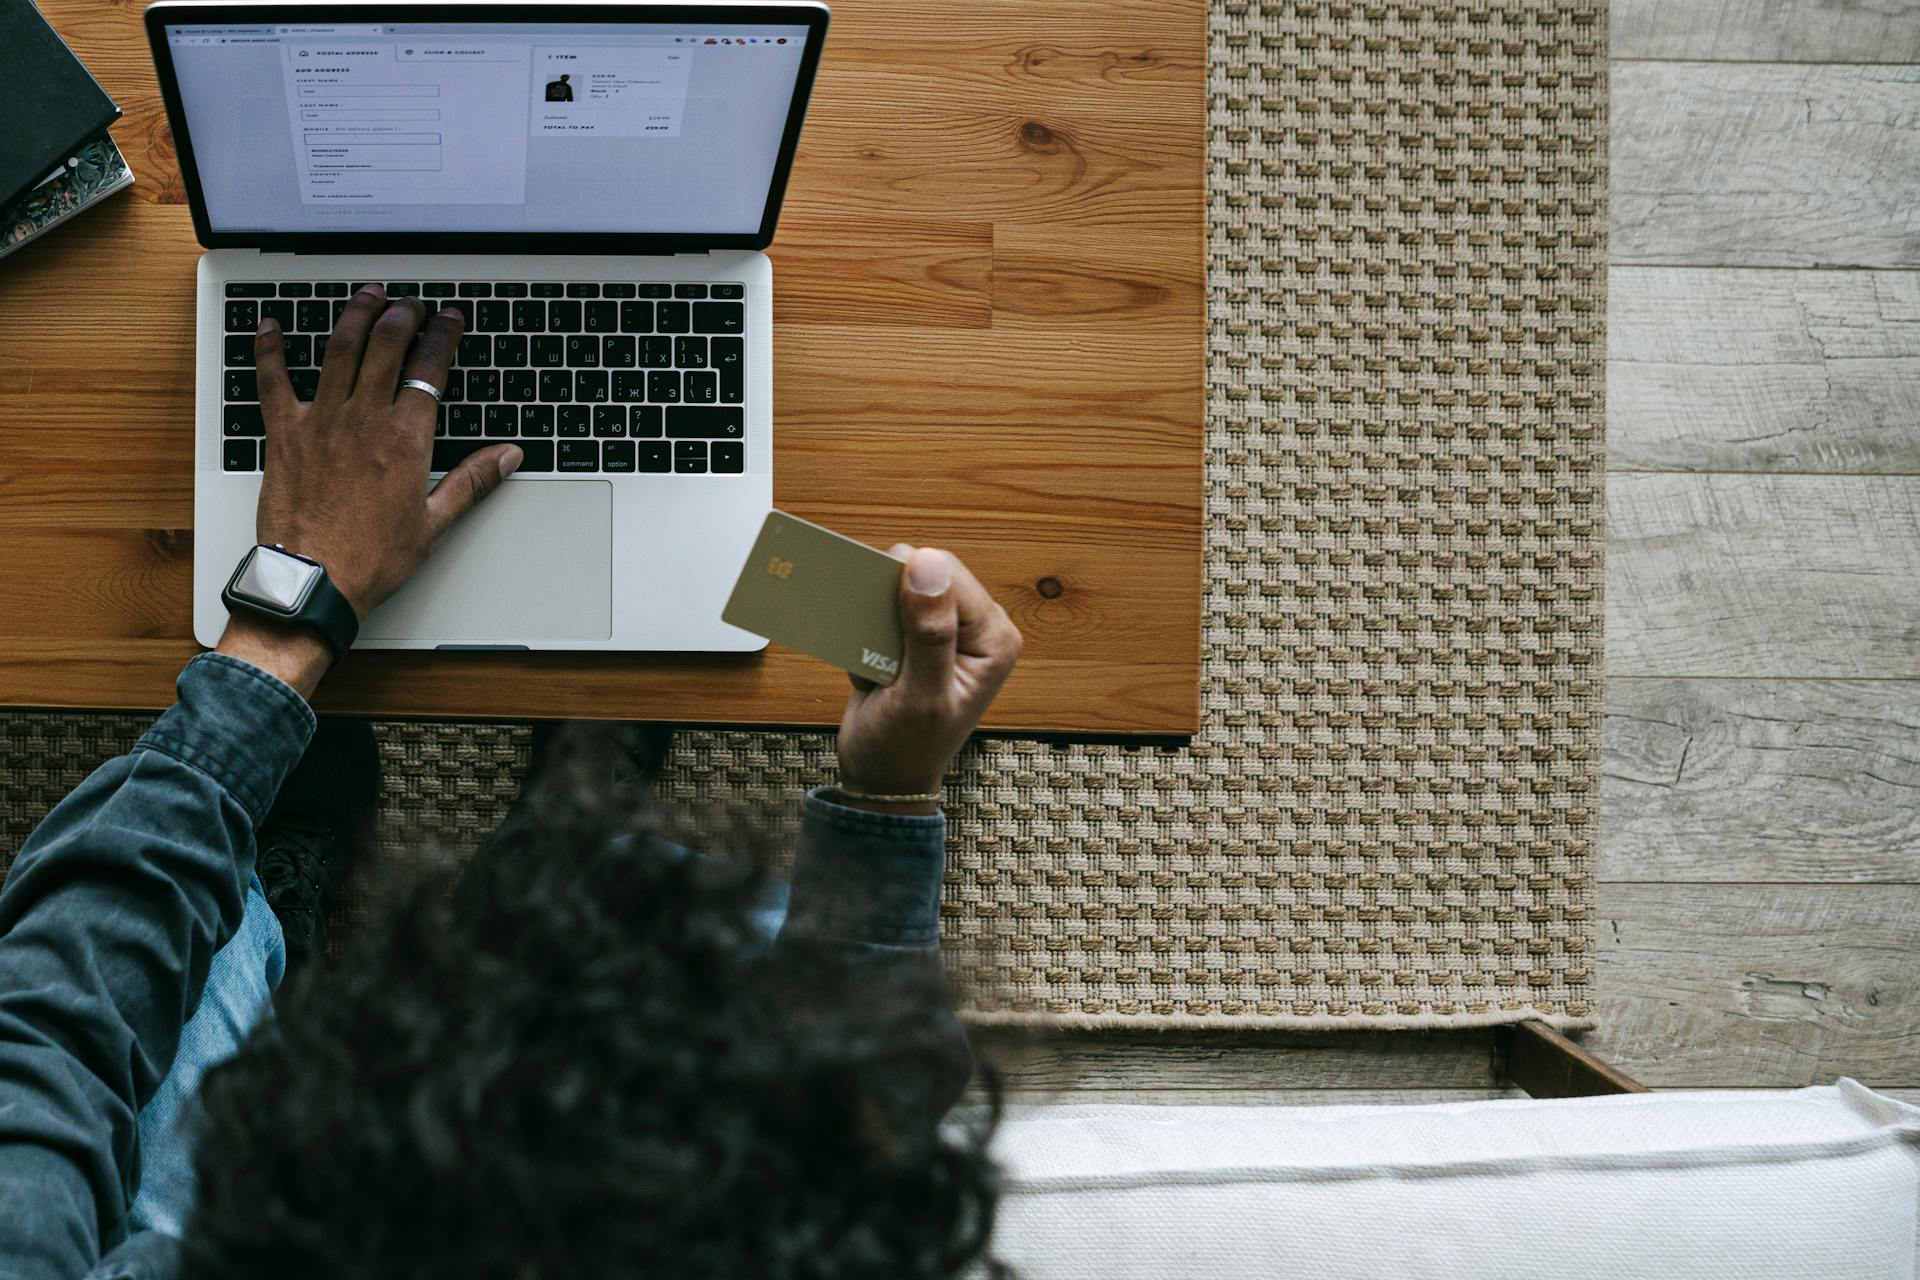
(617,352)
(654,290)
(243,420)
(601,317)
(583,291)
(700,388)
(440,419)
(492,316)
(656,353)
(239,351)
(240,456)
(313,316)
(617,455)
(476,291)
(463,305)
(629,387)
(296,289)
(549,350)
(319,349)
(437,289)
(448,454)
(729,291)
(690,422)
(646,421)
(503,421)
(719,317)
(556,386)
(590,387)
(456,388)
(616,291)
(463,419)
(674,317)
(563,317)
(579,455)
(306,383)
(512,290)
(547,289)
(689,291)
(249,290)
(404,289)
(241,384)
(331,289)
(299,349)
(280,310)
(636,317)
(510,351)
(517,385)
(572,420)
(663,388)
(539,455)
(243,317)
(655,456)
(583,351)
(729,357)
(536,419)
(529,317)
(483,385)
(729,457)
(609,420)
(690,353)
(689,458)
(475,351)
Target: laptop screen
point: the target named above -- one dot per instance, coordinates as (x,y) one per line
(662,128)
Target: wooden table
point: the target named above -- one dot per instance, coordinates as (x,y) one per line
(990,337)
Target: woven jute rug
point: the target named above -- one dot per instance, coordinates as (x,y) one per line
(1387,819)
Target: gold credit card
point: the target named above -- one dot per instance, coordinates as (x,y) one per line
(827,596)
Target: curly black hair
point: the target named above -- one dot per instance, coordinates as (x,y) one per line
(581,1060)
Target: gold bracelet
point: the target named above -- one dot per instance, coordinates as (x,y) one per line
(930,797)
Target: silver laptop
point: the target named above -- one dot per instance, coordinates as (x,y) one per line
(593,189)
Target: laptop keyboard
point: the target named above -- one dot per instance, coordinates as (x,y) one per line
(601,378)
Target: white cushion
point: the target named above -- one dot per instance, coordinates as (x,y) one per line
(1814,1184)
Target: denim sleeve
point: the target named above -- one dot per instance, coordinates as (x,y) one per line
(108,922)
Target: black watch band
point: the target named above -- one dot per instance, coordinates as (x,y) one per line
(273,582)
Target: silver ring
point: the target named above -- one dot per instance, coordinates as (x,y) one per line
(418,385)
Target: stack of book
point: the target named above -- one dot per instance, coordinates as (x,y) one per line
(55,156)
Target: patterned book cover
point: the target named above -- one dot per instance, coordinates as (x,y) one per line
(96,171)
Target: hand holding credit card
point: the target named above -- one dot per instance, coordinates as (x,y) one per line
(926,646)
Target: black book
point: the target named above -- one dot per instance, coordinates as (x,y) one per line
(50,103)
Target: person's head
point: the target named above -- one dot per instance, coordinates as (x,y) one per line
(583,1061)
(564,78)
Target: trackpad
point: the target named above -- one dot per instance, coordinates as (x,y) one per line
(532,562)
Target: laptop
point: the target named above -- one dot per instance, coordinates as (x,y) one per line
(592,185)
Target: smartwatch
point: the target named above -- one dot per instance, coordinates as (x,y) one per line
(276,583)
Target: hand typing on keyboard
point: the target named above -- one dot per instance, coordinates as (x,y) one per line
(345,476)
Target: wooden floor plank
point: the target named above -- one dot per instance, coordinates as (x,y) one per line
(1749,780)
(1095,1063)
(1768,30)
(1766,165)
(1758,985)
(1763,370)
(1763,576)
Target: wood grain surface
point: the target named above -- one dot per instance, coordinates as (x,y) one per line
(989,300)
(1728,369)
(1766,165)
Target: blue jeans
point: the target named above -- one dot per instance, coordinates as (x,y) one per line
(240,984)
(241,980)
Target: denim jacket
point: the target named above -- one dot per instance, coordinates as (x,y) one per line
(115,906)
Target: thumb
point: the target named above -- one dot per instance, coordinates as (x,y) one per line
(463,487)
(929,620)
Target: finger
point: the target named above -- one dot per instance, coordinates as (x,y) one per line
(277,401)
(431,361)
(462,488)
(348,340)
(387,347)
(978,612)
(929,621)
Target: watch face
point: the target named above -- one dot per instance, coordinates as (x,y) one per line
(275,580)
